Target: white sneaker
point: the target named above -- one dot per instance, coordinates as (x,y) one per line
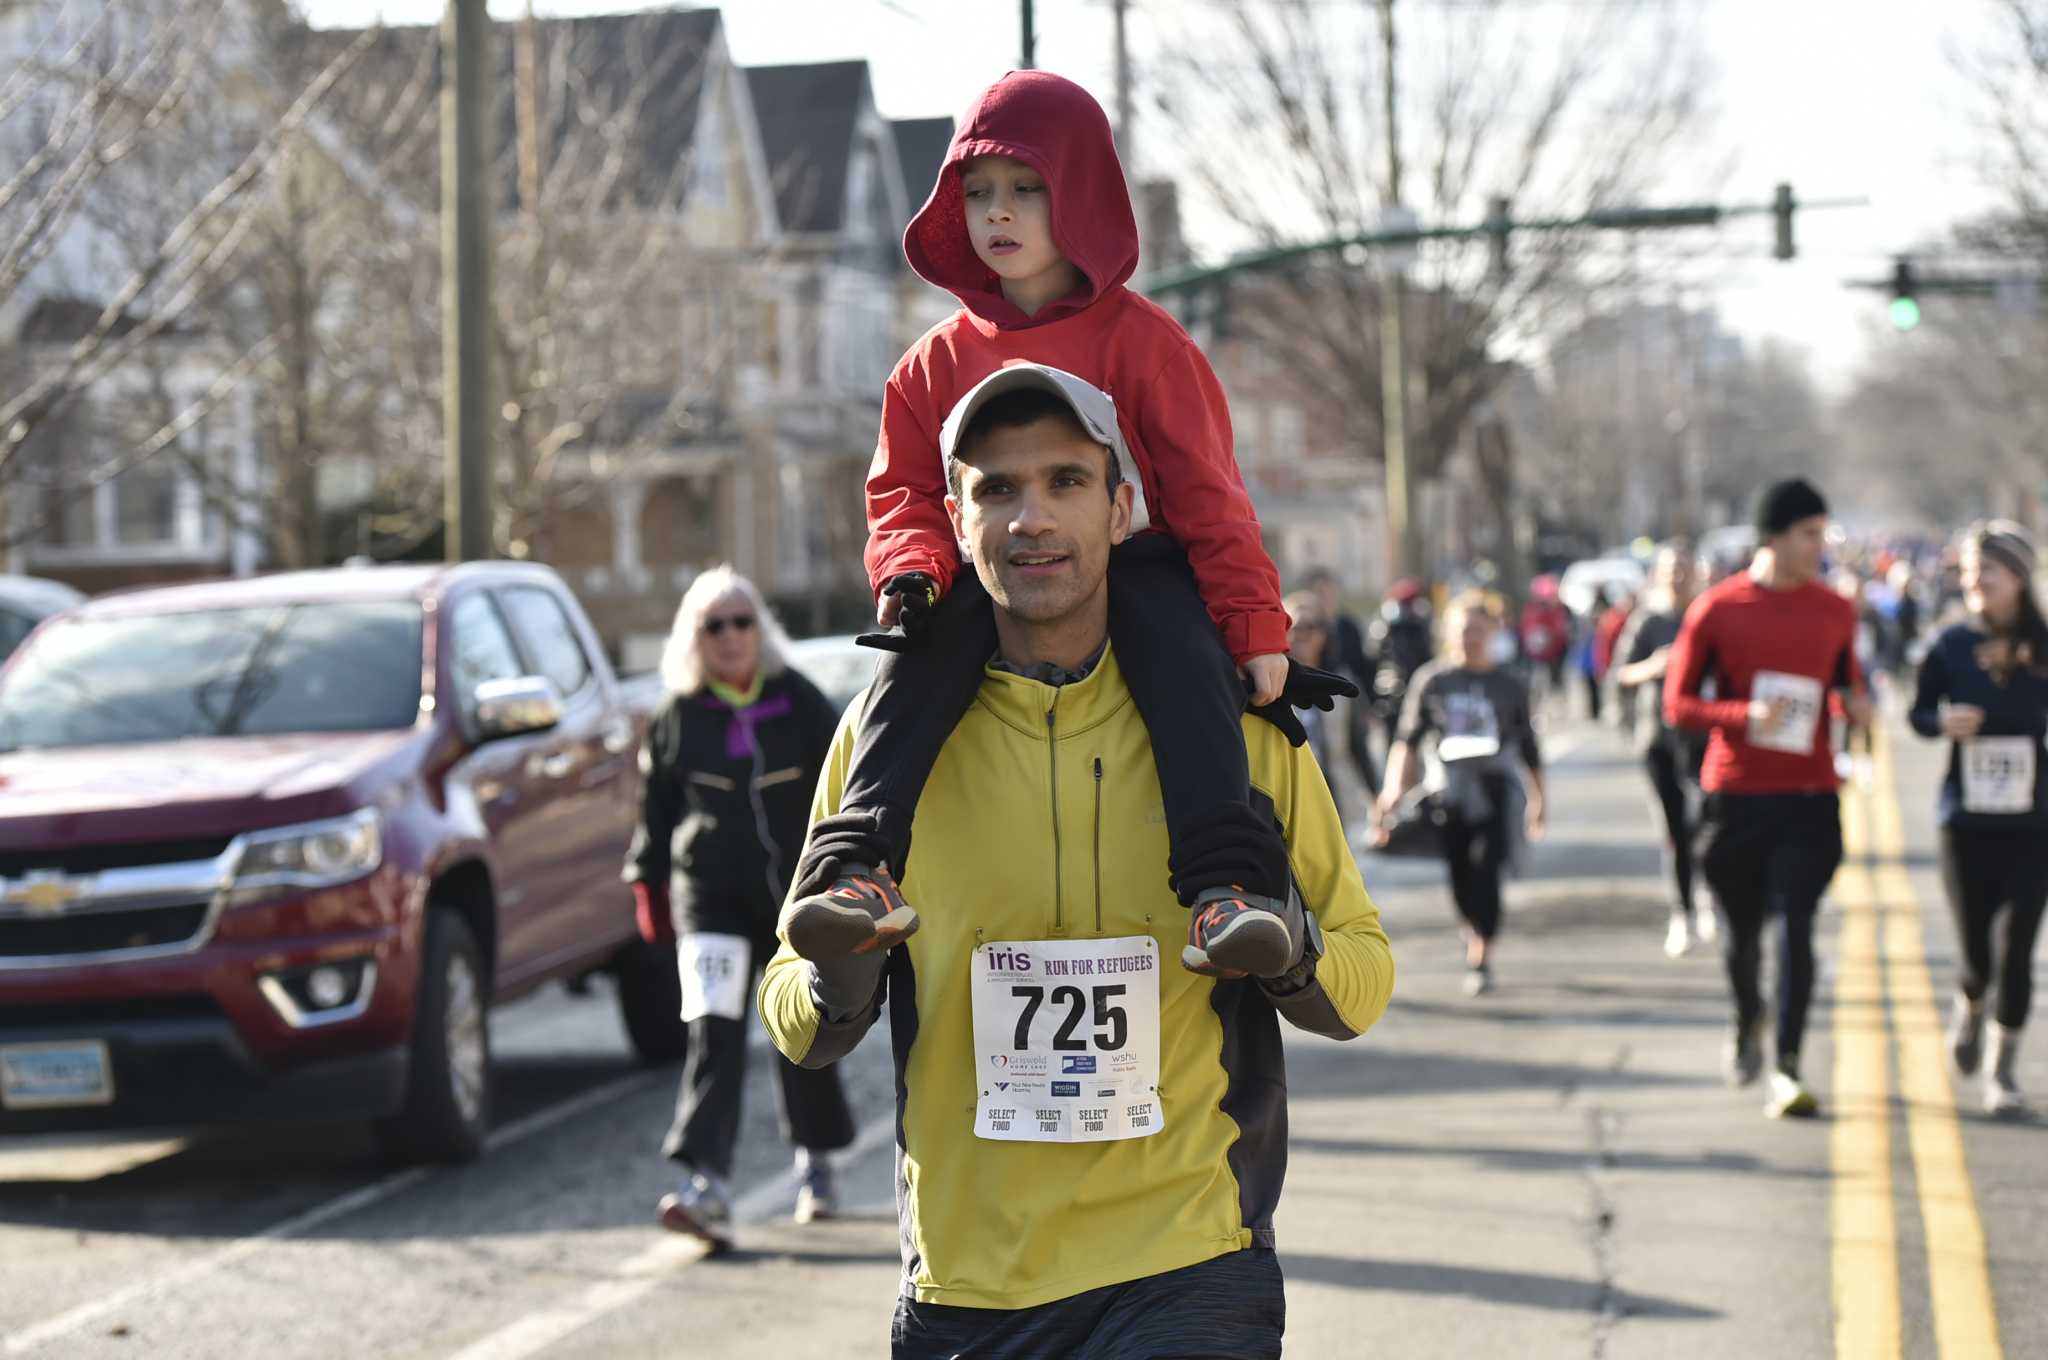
(1789,1099)
(1678,937)
(1478,981)
(1706,925)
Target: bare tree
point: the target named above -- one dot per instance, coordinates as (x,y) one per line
(148,130)
(1558,109)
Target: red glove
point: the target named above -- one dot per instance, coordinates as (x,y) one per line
(650,913)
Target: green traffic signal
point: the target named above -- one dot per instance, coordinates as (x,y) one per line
(1905,313)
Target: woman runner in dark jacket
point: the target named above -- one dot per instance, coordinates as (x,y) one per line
(1984,686)
(732,756)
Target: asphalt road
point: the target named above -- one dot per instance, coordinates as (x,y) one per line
(1554,1170)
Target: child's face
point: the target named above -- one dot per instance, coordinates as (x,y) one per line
(1009,218)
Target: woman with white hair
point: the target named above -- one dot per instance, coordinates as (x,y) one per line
(732,755)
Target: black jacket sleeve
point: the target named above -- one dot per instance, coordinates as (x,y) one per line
(1932,689)
(661,804)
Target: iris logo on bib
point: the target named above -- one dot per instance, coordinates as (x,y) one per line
(1009,960)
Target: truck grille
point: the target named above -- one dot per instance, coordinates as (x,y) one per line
(152,927)
(109,1011)
(90,859)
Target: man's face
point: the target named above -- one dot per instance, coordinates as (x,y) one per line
(1009,217)
(1800,548)
(1037,519)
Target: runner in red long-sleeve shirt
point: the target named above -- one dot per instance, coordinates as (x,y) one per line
(1776,644)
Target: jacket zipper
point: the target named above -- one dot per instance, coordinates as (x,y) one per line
(1052,743)
(1098,845)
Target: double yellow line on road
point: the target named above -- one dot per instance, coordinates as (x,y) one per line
(1885,1001)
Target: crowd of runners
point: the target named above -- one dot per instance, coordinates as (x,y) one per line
(1076,846)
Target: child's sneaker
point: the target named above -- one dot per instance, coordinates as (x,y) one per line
(1232,933)
(861,912)
(817,1189)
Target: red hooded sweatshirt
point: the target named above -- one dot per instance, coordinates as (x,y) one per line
(1168,400)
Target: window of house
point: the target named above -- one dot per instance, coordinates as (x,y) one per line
(1287,433)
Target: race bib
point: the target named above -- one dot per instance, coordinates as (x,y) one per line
(1066,1040)
(715,971)
(1998,774)
(1793,733)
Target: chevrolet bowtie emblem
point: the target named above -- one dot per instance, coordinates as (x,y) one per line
(45,895)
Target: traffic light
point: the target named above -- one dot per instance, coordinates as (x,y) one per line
(1781,209)
(1905,297)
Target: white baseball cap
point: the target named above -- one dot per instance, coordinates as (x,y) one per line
(1092,406)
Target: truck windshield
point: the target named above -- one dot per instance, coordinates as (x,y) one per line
(329,667)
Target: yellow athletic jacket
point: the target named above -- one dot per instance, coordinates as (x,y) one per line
(1042,820)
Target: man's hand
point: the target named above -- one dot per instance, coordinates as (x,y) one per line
(889,610)
(1766,714)
(1266,676)
(1537,819)
(1962,722)
(1859,708)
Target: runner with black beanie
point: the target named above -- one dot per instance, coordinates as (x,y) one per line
(1776,643)
(1984,686)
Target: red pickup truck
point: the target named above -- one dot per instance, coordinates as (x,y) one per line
(272,848)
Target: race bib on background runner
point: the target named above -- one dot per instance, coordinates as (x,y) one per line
(1066,1040)
(1998,774)
(1794,732)
(714,971)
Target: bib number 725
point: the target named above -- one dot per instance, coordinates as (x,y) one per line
(1112,1026)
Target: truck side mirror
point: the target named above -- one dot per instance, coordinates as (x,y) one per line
(511,708)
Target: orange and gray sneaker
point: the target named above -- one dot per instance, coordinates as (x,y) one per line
(861,912)
(1232,933)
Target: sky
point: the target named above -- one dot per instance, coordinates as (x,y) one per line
(1840,98)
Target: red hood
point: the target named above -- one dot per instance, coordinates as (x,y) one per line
(199,785)
(1055,127)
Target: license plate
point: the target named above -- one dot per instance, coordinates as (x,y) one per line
(51,1076)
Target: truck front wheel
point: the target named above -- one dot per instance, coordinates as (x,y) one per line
(447,1108)
(651,1003)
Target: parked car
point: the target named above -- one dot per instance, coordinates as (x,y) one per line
(1583,584)
(273,848)
(26,601)
(835,664)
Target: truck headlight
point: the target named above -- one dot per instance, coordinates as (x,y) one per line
(311,854)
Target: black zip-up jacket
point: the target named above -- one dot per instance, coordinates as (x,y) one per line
(726,801)
(2018,708)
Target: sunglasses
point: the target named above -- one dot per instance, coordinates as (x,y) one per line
(739,623)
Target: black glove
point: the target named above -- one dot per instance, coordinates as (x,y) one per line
(1306,687)
(920,596)
(1230,846)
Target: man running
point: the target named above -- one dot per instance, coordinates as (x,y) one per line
(1776,643)
(1091,1139)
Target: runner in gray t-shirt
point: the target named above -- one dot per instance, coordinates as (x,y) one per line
(1479,717)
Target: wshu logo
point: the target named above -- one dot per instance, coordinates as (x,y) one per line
(1078,1064)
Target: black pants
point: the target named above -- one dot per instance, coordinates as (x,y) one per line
(1186,687)
(1231,1308)
(1997,885)
(1771,856)
(1594,694)
(1669,779)
(1476,852)
(707,1123)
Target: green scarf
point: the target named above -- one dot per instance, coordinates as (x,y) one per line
(738,698)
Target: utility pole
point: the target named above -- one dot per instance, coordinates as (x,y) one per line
(1030,61)
(1124,149)
(1404,539)
(466,281)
